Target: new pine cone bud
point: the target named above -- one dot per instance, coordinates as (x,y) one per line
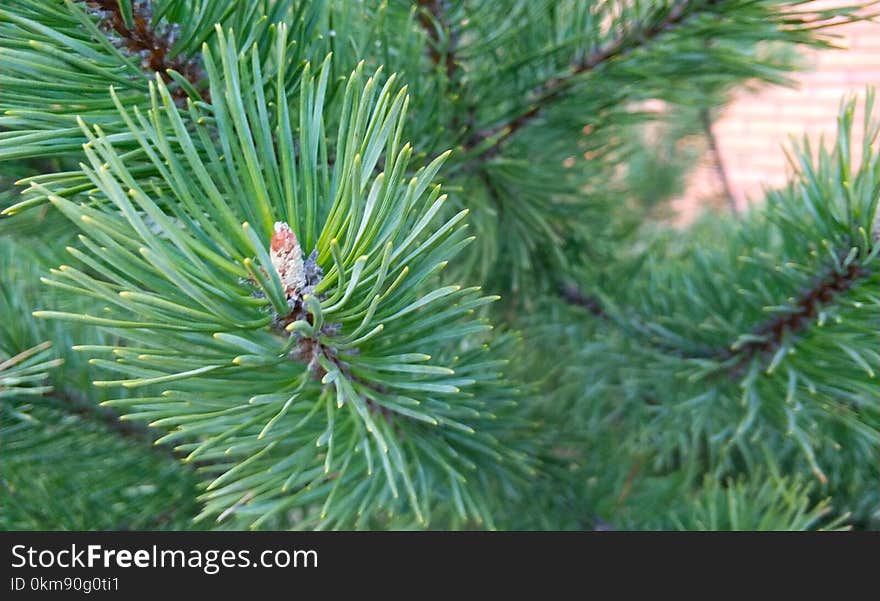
(287,259)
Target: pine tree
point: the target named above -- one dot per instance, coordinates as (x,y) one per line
(327,264)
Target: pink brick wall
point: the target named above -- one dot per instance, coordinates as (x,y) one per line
(756,126)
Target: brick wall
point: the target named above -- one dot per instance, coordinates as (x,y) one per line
(756,126)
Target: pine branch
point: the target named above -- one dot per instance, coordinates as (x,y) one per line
(154,47)
(304,346)
(551,90)
(767,337)
(770,335)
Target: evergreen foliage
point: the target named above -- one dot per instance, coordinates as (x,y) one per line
(395,265)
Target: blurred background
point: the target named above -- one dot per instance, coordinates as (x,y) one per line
(751,131)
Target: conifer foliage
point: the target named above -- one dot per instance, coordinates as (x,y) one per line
(319,264)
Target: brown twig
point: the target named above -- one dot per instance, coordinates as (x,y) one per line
(552,89)
(769,335)
(433,19)
(772,333)
(310,350)
(573,295)
(77,404)
(718,160)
